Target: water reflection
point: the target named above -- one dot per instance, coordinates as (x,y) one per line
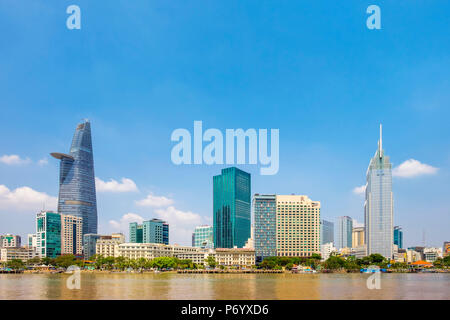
(224,286)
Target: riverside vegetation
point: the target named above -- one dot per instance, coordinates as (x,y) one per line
(332,264)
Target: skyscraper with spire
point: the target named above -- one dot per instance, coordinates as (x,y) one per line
(378,205)
(77,195)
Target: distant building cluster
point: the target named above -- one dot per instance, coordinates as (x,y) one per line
(282,225)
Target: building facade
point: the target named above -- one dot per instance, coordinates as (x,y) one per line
(155,231)
(398,237)
(298,226)
(344,232)
(327,232)
(446,248)
(71,235)
(19,253)
(203,237)
(265,231)
(32,240)
(357,237)
(326,250)
(235,257)
(89,244)
(107,246)
(10,241)
(77,196)
(48,234)
(136,235)
(378,205)
(231,208)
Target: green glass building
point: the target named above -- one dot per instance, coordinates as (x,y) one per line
(48,234)
(231,205)
(136,235)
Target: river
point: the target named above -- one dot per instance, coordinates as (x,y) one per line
(224,286)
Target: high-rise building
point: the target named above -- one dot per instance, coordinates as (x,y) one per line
(378,205)
(77,180)
(357,237)
(48,234)
(10,241)
(155,231)
(193,239)
(231,208)
(265,217)
(71,235)
(151,231)
(136,235)
(327,232)
(89,244)
(344,232)
(398,237)
(298,226)
(203,237)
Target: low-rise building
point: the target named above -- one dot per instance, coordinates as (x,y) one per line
(326,250)
(20,253)
(360,251)
(446,248)
(413,256)
(10,241)
(237,257)
(107,246)
(431,254)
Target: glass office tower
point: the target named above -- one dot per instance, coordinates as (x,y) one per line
(327,232)
(203,237)
(344,232)
(378,205)
(398,237)
(48,234)
(265,216)
(231,208)
(155,231)
(77,180)
(136,235)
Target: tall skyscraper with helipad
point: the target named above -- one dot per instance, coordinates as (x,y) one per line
(77,179)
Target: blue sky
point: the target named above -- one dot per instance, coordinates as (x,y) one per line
(138,70)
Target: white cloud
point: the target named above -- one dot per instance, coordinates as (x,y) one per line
(413,168)
(126,185)
(25,199)
(14,159)
(43,162)
(181,223)
(154,201)
(360,189)
(123,223)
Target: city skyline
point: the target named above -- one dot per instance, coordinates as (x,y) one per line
(325,86)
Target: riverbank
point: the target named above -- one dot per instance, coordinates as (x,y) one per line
(226,271)
(232,286)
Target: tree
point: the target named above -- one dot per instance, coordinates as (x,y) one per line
(316,256)
(376,258)
(15,264)
(65,261)
(211,261)
(334,263)
(34,261)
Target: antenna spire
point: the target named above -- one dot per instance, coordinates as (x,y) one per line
(380,142)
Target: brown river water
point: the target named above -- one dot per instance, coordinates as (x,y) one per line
(224,286)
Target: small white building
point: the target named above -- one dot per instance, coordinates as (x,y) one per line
(326,249)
